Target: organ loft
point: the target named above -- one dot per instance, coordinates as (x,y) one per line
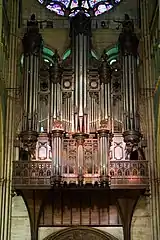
(80,126)
(82,152)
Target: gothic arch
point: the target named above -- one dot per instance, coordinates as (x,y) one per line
(80,233)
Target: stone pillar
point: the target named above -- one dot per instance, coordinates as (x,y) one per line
(10,78)
(149,117)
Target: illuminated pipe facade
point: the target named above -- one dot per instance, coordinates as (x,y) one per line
(105,91)
(32,45)
(56,145)
(80,34)
(56,126)
(128,44)
(55,91)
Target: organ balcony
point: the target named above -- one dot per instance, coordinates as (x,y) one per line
(36,171)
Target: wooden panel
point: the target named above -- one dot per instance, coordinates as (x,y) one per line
(79,208)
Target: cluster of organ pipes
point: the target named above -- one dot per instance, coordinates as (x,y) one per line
(77,101)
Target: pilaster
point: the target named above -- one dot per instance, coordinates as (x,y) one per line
(10,82)
(146,74)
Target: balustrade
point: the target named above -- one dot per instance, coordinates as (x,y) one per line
(121,172)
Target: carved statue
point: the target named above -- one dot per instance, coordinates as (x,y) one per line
(105,69)
(133,152)
(81,24)
(55,70)
(128,41)
(130,147)
(128,25)
(32,40)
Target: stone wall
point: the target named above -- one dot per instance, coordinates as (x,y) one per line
(20,225)
(141,221)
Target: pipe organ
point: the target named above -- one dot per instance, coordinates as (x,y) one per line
(128,43)
(32,43)
(81,115)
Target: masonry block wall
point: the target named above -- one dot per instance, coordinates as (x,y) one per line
(140,229)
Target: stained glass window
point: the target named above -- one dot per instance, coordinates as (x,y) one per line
(72,7)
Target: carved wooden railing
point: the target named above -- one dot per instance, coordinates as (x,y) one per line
(122,174)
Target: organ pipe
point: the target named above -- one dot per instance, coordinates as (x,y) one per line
(105,124)
(32,45)
(105,100)
(128,44)
(80,34)
(56,126)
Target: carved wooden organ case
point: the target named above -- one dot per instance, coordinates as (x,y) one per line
(80,115)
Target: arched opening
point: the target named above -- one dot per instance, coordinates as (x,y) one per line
(80,233)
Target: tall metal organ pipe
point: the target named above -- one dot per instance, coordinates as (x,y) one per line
(105,77)
(32,45)
(106,118)
(80,35)
(56,126)
(55,91)
(128,44)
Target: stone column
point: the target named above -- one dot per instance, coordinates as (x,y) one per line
(149,118)
(10,77)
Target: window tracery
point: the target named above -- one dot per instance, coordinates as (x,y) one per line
(72,7)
